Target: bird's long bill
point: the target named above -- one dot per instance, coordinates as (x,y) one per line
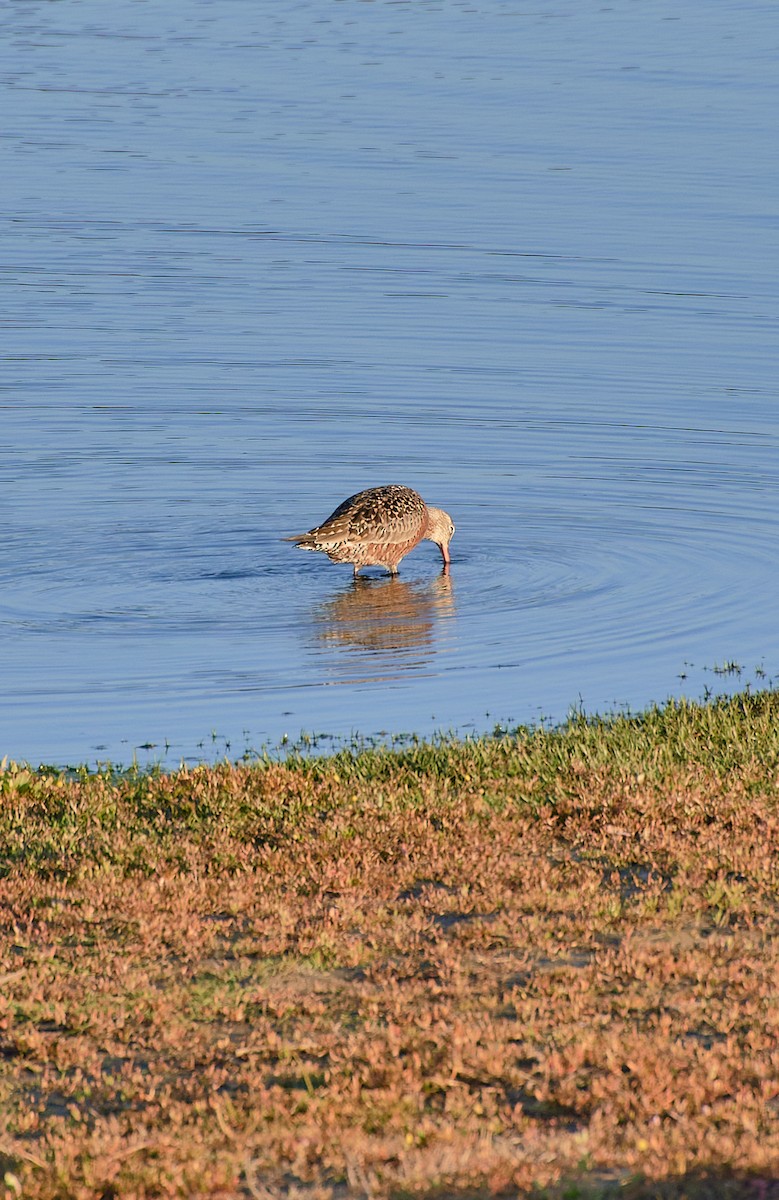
(445,554)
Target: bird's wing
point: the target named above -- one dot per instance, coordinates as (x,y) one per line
(386,515)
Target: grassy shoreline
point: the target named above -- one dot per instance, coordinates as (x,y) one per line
(544,963)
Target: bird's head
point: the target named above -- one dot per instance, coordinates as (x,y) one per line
(440,529)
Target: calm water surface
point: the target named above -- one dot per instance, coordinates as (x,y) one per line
(256,257)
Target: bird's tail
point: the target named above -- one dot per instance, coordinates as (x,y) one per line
(304,540)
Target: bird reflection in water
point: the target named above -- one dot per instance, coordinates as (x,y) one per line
(386,616)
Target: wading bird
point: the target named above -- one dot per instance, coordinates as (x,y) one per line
(378,527)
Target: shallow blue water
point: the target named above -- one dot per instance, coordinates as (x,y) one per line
(254,258)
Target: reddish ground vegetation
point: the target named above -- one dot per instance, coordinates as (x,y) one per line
(525,967)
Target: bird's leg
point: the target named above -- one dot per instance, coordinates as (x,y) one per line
(356,570)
